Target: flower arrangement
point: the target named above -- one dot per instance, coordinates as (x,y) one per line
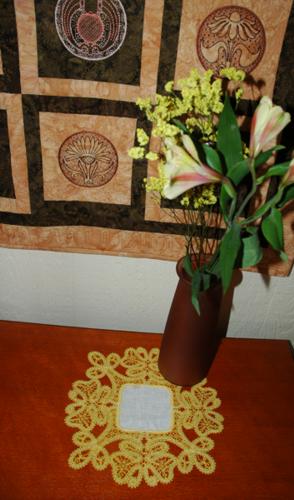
(203,162)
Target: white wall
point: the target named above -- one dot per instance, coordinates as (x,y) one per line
(125,293)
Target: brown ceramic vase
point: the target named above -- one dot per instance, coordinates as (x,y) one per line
(190,341)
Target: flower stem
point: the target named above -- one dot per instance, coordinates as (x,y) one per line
(252,190)
(265,208)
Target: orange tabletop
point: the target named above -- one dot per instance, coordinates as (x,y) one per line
(254,454)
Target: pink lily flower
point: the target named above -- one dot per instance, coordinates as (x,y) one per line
(183,169)
(267,122)
(288,178)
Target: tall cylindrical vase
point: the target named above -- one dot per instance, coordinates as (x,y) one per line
(190,341)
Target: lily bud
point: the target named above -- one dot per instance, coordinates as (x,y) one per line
(267,122)
(288,178)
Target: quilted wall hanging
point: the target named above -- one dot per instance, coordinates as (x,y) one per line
(70,74)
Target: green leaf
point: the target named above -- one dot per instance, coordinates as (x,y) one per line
(195,302)
(188,265)
(196,287)
(279,169)
(252,252)
(200,281)
(228,136)
(252,230)
(229,188)
(272,228)
(181,125)
(276,170)
(214,267)
(206,280)
(239,171)
(212,158)
(264,208)
(288,195)
(225,201)
(229,250)
(264,156)
(284,256)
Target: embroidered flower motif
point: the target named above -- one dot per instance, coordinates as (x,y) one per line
(136,456)
(231,36)
(148,460)
(101,364)
(88,159)
(92,36)
(90,405)
(234,25)
(89,450)
(197,455)
(142,364)
(199,414)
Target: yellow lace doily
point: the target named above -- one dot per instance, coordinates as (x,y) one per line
(135,456)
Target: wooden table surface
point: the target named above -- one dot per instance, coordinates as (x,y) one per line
(254,454)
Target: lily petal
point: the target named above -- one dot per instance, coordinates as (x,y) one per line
(182,158)
(267,122)
(185,181)
(190,147)
(289,175)
(204,175)
(183,169)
